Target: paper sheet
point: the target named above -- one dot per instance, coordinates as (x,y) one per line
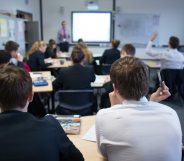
(90,135)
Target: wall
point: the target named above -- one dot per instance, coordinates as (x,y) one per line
(12,5)
(52,15)
(171,15)
(171,12)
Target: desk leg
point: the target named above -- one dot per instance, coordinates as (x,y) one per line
(53,103)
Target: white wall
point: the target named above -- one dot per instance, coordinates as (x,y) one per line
(33,6)
(52,15)
(171,15)
(171,12)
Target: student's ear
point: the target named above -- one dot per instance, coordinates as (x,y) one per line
(114,89)
(30,98)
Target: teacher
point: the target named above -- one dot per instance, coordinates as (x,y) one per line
(63,37)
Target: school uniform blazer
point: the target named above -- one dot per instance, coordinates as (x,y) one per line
(49,53)
(24,137)
(76,77)
(110,56)
(36,61)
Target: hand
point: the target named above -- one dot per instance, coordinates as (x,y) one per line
(154,36)
(19,57)
(161,94)
(115,98)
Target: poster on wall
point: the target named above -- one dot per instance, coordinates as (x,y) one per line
(3,28)
(11,25)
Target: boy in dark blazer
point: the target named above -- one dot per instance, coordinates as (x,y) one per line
(24,137)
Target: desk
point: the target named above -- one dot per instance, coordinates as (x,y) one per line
(87,148)
(153,64)
(100,81)
(45,74)
(56,63)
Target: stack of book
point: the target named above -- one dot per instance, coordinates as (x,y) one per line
(70,123)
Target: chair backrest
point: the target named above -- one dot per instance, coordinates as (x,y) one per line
(105,69)
(75,99)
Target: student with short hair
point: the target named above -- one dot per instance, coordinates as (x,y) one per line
(111,55)
(139,129)
(23,136)
(170,58)
(128,50)
(16,58)
(51,49)
(36,56)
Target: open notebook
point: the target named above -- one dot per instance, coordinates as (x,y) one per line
(90,135)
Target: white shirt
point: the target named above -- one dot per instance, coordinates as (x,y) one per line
(139,131)
(170,58)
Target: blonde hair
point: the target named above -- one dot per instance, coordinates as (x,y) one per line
(87,53)
(35,47)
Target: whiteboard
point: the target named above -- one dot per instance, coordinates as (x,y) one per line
(94,27)
(135,28)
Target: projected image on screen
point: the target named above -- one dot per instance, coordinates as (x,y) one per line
(91,26)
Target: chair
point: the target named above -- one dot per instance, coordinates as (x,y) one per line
(174,79)
(105,69)
(75,102)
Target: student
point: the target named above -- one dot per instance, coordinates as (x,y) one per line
(76,77)
(139,129)
(111,55)
(16,58)
(87,53)
(4,58)
(36,56)
(63,37)
(128,50)
(171,58)
(51,49)
(24,137)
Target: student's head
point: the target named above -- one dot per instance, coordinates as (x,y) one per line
(4,58)
(15,88)
(129,76)
(77,55)
(128,50)
(174,42)
(80,40)
(38,45)
(12,48)
(115,43)
(52,44)
(63,24)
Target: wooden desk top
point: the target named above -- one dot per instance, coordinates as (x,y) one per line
(87,148)
(45,74)
(100,81)
(155,64)
(56,63)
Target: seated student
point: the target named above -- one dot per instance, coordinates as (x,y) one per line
(36,56)
(171,58)
(4,58)
(87,53)
(16,58)
(111,55)
(23,136)
(128,50)
(51,49)
(146,129)
(76,77)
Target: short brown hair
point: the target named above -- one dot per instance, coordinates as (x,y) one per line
(4,57)
(174,42)
(15,87)
(129,49)
(77,55)
(130,77)
(115,43)
(11,46)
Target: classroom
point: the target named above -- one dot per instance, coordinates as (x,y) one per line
(93,80)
